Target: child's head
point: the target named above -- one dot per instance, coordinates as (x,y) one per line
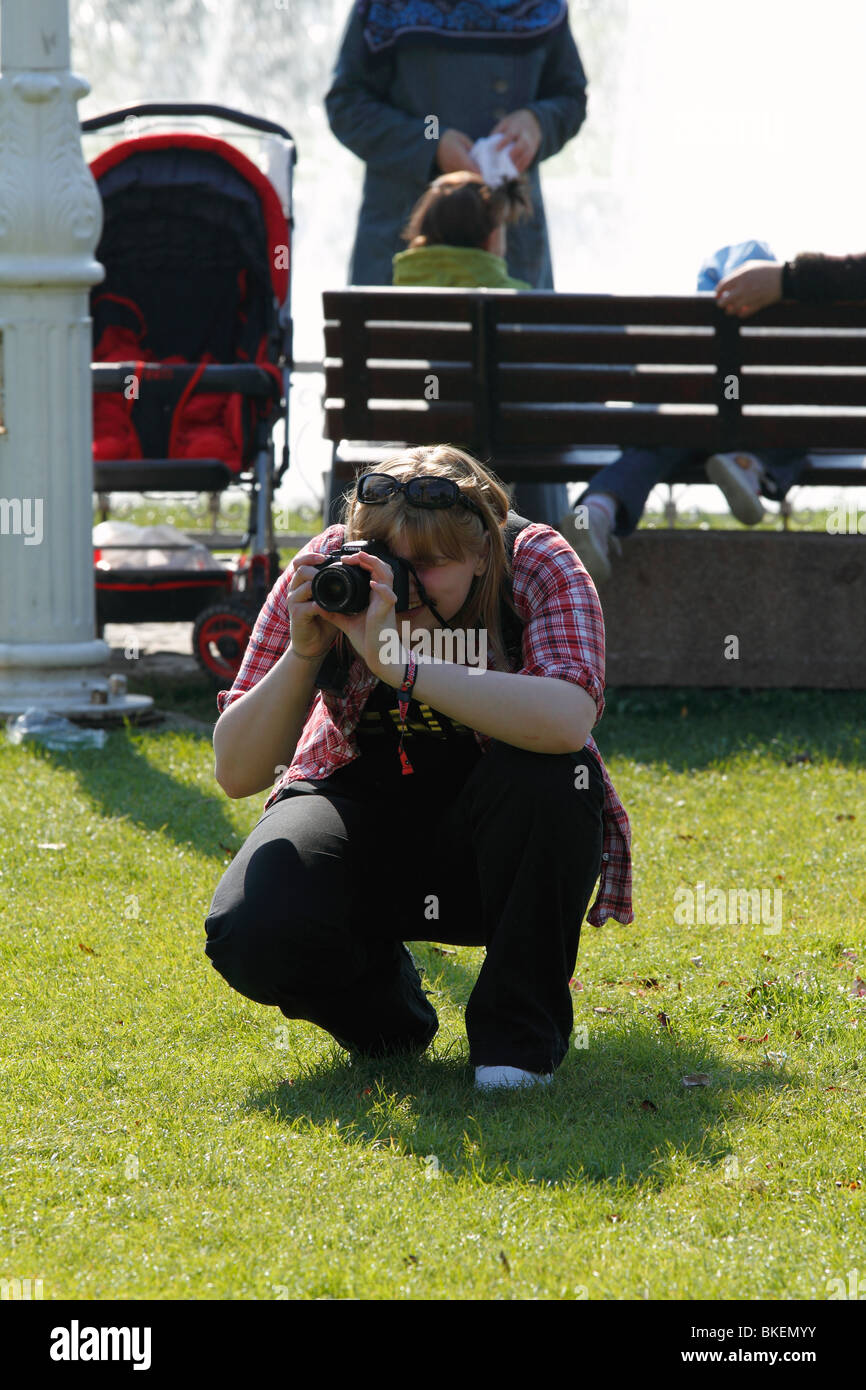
(460,209)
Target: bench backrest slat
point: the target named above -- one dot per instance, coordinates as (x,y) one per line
(592,428)
(806,350)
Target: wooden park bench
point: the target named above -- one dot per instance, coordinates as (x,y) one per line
(537,384)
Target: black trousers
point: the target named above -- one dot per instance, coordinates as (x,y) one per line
(312,912)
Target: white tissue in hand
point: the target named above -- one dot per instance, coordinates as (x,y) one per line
(496,165)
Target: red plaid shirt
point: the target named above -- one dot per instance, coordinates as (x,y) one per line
(563,637)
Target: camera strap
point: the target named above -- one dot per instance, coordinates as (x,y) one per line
(422,594)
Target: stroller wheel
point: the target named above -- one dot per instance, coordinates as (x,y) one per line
(219,639)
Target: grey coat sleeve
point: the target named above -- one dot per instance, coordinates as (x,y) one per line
(363,118)
(561,102)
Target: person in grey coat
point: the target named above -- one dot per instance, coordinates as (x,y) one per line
(388,104)
(416,83)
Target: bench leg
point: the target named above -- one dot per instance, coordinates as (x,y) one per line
(341,477)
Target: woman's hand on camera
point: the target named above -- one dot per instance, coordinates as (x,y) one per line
(369,630)
(313,633)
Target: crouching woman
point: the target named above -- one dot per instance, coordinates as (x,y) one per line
(419,797)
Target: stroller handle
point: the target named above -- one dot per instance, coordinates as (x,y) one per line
(188,108)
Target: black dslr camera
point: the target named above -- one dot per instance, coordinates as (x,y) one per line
(340,588)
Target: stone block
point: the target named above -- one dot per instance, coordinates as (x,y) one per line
(737,608)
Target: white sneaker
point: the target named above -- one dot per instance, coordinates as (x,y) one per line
(593,542)
(505,1078)
(739,478)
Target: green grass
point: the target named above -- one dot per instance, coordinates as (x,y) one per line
(164,1137)
(802,518)
(192,514)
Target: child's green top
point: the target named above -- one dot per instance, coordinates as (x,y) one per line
(454,266)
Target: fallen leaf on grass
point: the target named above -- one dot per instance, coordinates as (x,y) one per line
(680,836)
(650,984)
(858,989)
(603,1009)
(443,951)
(410,1260)
(835,1088)
(765,984)
(505,1265)
(851,1184)
(664,1021)
(575,984)
(848,953)
(846,815)
(613,1217)
(696,960)
(228,849)
(648,1105)
(744,1038)
(89,949)
(698,1078)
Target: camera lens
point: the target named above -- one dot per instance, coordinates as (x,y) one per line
(341,589)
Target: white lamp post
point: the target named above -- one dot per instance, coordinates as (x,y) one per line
(50,222)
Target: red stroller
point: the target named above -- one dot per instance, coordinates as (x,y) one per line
(192,352)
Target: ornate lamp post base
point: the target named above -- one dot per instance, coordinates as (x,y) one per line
(63,679)
(50,222)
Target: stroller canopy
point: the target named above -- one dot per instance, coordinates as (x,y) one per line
(194,235)
(195,246)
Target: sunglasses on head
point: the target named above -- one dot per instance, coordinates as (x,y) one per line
(427,491)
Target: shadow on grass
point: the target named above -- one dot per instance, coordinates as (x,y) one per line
(690,729)
(616,1112)
(191,693)
(124,785)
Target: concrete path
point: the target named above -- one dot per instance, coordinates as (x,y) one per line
(163,648)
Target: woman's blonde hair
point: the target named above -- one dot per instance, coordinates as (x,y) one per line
(453,531)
